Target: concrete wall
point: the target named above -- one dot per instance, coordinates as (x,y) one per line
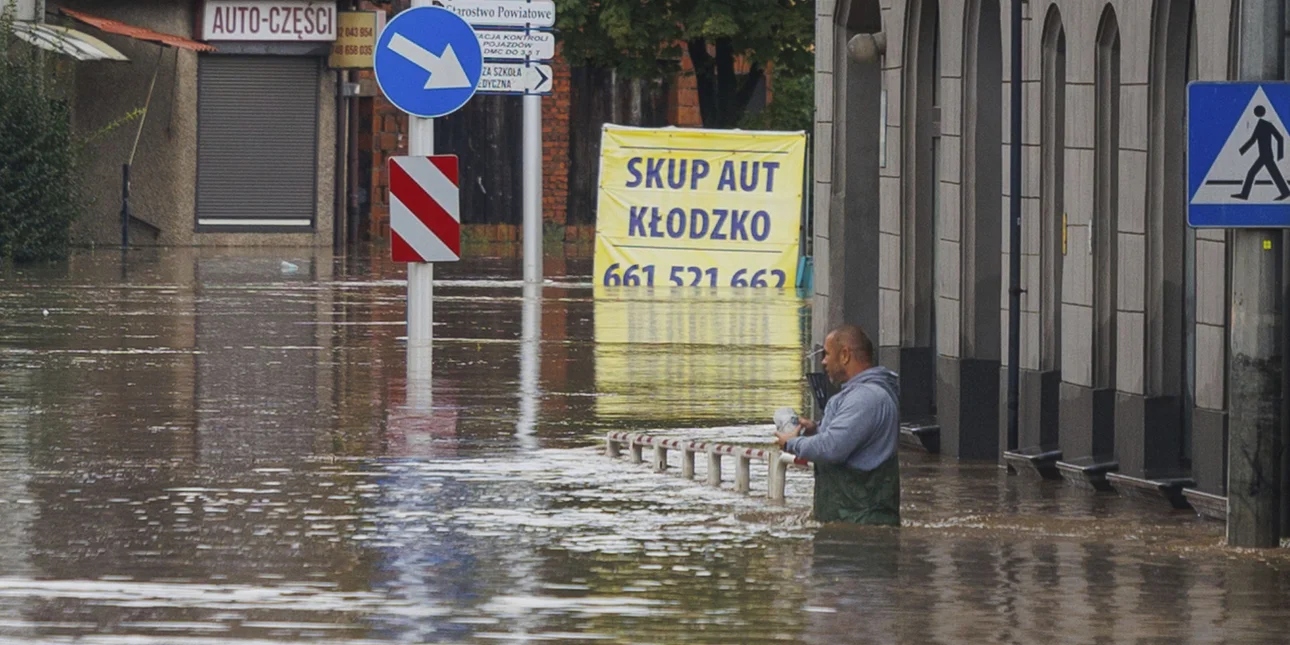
(163,186)
(1146,286)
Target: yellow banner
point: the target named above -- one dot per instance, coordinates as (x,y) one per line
(681,207)
(356,33)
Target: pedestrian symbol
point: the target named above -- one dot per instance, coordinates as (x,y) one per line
(1236,154)
(1264,133)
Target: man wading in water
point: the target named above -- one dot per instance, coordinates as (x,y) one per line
(857,472)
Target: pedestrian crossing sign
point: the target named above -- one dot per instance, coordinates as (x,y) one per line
(1238,154)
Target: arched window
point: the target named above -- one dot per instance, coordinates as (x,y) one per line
(982,172)
(1052,194)
(1169,246)
(921,129)
(920,186)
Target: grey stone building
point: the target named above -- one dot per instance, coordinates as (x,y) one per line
(1123,334)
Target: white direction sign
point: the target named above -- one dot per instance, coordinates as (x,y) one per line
(505,13)
(520,45)
(515,78)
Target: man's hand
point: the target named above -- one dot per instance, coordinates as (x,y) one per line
(806,427)
(781,438)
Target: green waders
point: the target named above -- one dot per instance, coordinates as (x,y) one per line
(860,497)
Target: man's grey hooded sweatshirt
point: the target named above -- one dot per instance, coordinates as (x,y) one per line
(861,423)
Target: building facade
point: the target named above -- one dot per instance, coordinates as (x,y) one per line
(1123,339)
(238,144)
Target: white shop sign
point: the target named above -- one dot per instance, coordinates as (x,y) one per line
(269,20)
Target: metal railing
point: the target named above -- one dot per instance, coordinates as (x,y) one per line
(777,461)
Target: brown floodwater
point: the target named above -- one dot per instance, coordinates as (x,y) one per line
(221,446)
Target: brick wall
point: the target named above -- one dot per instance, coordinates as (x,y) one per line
(684,111)
(385,135)
(555,144)
(389,139)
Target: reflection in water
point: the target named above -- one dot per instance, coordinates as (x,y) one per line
(664,355)
(530,362)
(202,448)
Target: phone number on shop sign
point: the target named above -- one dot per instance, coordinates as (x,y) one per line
(681,276)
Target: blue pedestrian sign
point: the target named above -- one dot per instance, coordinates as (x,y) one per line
(428,62)
(1237,161)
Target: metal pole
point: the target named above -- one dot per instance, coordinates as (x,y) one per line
(530,365)
(338,216)
(1014,253)
(125,171)
(352,232)
(420,282)
(125,205)
(420,275)
(1254,443)
(532,158)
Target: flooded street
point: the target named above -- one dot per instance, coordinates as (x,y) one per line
(215,446)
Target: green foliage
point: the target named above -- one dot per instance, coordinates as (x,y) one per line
(644,38)
(40,190)
(792,105)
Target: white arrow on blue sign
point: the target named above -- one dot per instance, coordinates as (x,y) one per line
(1237,154)
(428,62)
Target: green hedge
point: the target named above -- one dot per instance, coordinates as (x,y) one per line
(792,105)
(40,190)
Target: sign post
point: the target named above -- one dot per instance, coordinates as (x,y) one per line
(1236,141)
(517,41)
(532,188)
(428,63)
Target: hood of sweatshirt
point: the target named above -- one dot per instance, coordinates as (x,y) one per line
(882,377)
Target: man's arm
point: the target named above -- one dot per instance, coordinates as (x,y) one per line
(1281,143)
(847,429)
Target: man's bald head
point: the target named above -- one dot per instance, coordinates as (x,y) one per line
(853,338)
(847,352)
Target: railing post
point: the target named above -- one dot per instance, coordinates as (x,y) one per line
(742,478)
(660,457)
(687,461)
(714,467)
(635,446)
(777,476)
(612,448)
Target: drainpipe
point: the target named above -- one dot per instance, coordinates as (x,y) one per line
(353,233)
(1014,224)
(338,206)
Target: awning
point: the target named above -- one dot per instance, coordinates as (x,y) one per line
(140,33)
(54,38)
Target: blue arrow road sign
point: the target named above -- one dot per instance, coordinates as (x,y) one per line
(428,62)
(1238,154)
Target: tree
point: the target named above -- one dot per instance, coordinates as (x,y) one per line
(645,39)
(39,183)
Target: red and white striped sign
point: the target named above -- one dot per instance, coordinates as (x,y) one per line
(425,218)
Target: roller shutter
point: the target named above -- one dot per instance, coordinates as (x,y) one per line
(257,142)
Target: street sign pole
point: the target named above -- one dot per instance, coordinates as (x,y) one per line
(420,274)
(428,62)
(517,44)
(420,281)
(1255,378)
(532,156)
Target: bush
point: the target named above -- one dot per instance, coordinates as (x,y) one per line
(791,107)
(40,190)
